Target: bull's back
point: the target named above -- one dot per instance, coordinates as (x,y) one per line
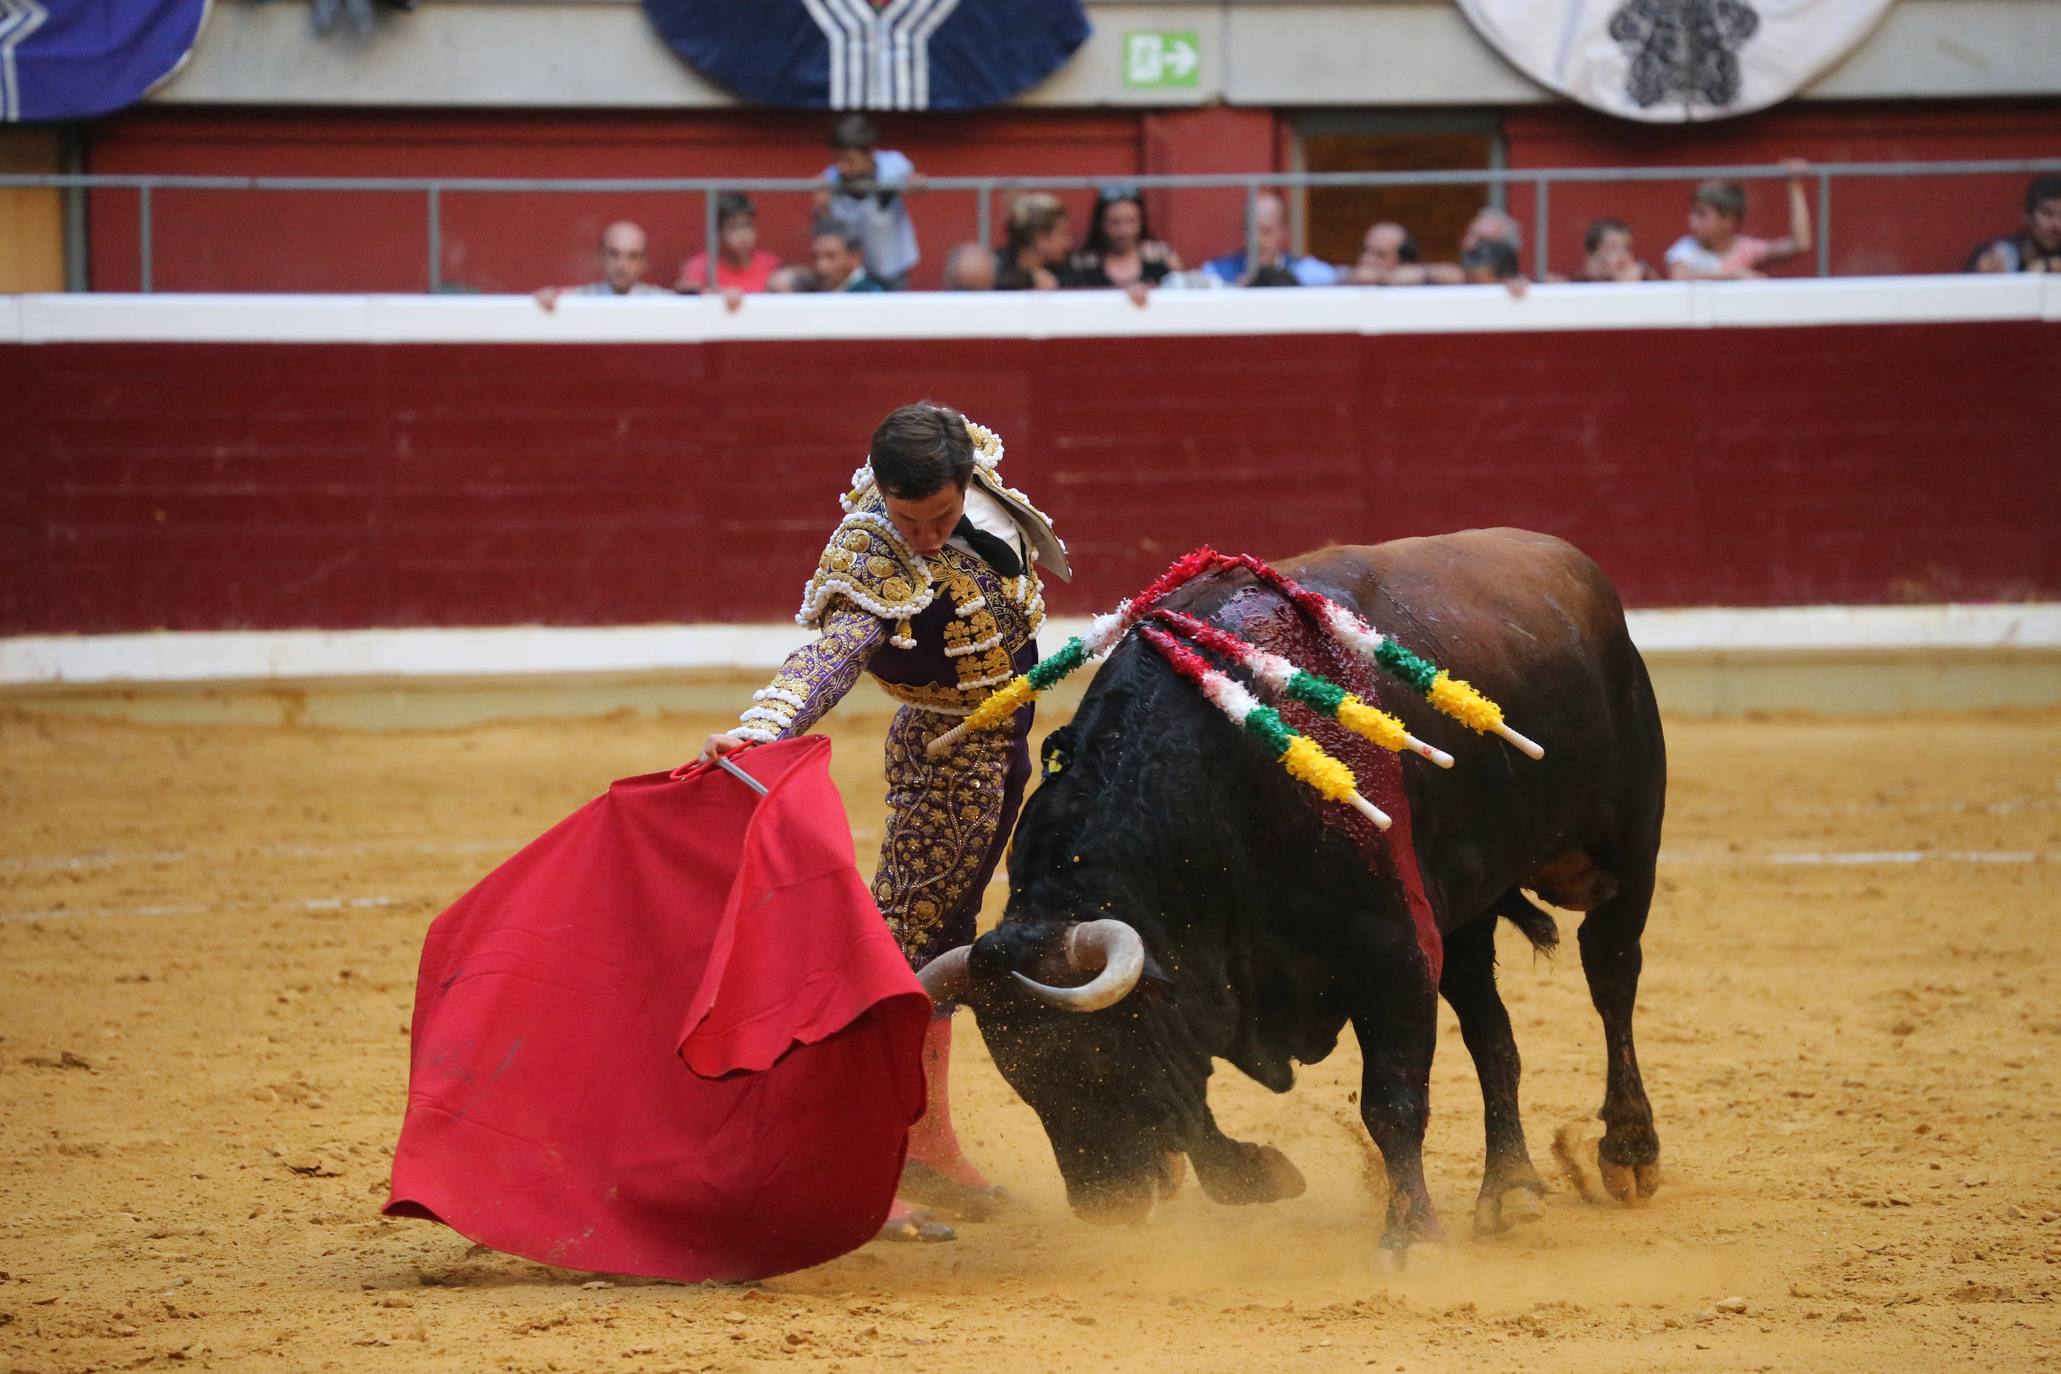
(1537,626)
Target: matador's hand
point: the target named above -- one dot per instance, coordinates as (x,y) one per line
(720,744)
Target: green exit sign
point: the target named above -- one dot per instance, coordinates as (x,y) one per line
(1161,57)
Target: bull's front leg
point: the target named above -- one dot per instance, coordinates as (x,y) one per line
(1396,1019)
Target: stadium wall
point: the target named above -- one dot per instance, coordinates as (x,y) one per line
(339,463)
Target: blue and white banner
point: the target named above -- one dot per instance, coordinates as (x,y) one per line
(873,54)
(73,59)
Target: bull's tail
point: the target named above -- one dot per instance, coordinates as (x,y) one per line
(1538,925)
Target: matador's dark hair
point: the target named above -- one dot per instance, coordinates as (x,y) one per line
(919,450)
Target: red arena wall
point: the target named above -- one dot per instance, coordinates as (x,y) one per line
(214,485)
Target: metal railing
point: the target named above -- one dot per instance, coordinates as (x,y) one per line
(987,188)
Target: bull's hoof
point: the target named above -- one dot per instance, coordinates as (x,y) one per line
(1495,1213)
(1628,1183)
(1415,1257)
(1248,1174)
(933,1188)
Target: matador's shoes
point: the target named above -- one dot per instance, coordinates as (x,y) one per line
(907,1223)
(937,1172)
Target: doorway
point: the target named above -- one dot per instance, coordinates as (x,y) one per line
(1335,218)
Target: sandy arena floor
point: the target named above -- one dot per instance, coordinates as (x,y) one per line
(1849,1027)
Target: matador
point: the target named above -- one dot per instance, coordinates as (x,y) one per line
(931,584)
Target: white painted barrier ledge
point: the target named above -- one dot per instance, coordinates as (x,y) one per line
(290,655)
(1799,302)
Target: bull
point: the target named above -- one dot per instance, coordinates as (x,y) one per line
(1174,898)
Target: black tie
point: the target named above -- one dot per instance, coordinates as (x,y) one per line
(996,552)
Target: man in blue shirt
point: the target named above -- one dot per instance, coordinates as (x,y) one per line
(868,195)
(1270,234)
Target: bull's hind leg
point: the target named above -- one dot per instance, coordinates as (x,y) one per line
(1629,1153)
(1510,1186)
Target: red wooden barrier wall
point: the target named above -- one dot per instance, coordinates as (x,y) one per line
(208,486)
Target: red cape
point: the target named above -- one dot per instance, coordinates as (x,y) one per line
(672,1036)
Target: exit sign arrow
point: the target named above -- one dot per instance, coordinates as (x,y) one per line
(1158,58)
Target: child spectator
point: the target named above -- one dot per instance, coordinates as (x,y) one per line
(1038,240)
(868,195)
(2037,247)
(741,265)
(1714,249)
(1121,251)
(1610,255)
(840,259)
(625,256)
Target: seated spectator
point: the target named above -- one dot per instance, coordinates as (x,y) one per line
(1038,237)
(1121,251)
(625,256)
(2037,247)
(970,268)
(840,259)
(1610,255)
(1491,223)
(1490,229)
(792,279)
(1385,251)
(1488,263)
(1715,250)
(868,195)
(741,265)
(1269,233)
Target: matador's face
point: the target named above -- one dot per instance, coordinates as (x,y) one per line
(926,522)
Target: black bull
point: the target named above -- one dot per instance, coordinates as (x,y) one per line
(1270,919)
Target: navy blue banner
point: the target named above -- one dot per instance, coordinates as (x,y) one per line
(873,54)
(72,59)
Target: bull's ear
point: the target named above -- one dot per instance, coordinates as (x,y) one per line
(1155,978)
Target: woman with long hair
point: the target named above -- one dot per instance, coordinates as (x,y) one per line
(1121,251)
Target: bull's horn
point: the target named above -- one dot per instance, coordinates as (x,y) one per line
(1111,946)
(947,977)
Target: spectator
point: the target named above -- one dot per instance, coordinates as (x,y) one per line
(1273,275)
(1714,249)
(1385,251)
(625,256)
(1269,233)
(1491,223)
(840,259)
(868,194)
(1610,256)
(970,268)
(1121,251)
(792,279)
(1037,243)
(2037,247)
(1489,262)
(741,265)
